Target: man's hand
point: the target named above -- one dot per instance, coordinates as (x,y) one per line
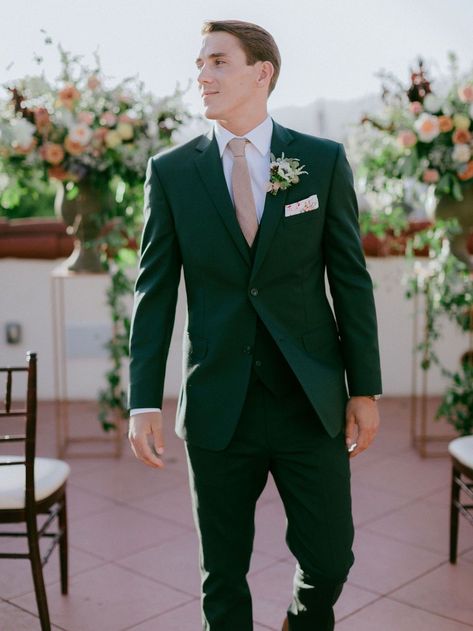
(363,412)
(145,433)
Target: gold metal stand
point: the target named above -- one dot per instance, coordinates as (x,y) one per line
(420,436)
(64,440)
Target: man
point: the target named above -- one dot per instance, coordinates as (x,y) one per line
(264,358)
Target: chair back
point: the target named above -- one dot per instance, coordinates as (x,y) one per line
(23,410)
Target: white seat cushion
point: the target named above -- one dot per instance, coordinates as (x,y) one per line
(462,449)
(49,475)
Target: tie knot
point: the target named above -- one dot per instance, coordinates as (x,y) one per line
(237,146)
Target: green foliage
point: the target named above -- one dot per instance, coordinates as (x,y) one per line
(447,286)
(381,224)
(457,403)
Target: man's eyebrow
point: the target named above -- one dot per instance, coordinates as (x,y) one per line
(212,55)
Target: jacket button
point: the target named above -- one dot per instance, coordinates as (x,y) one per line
(247,350)
(254,291)
(257,362)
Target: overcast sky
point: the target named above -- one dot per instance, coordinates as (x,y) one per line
(329,48)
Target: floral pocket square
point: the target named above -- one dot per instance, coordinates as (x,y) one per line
(302,206)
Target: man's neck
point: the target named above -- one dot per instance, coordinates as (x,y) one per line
(242,126)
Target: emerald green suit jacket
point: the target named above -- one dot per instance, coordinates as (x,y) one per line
(190,224)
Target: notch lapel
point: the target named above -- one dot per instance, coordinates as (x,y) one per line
(274,204)
(209,165)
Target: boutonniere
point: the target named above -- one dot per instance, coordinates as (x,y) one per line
(283,172)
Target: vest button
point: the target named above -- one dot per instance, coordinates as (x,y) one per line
(254,291)
(247,350)
(258,362)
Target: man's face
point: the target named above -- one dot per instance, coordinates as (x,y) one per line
(227,85)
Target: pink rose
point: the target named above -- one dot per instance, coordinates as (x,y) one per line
(416,107)
(465,92)
(108,118)
(407,138)
(86,117)
(430,176)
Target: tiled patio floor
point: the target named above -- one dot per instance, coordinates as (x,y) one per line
(133,548)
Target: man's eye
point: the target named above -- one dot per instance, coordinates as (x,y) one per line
(219,61)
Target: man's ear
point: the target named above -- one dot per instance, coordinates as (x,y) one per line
(265,73)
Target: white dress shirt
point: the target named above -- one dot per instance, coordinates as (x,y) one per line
(258,158)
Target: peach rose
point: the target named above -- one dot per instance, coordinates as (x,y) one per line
(465,93)
(86,117)
(108,118)
(427,126)
(467,173)
(68,95)
(42,120)
(416,107)
(446,123)
(80,133)
(407,138)
(430,176)
(73,147)
(461,136)
(52,152)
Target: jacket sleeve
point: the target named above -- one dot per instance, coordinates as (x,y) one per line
(155,296)
(350,284)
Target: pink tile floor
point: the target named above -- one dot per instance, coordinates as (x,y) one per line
(133,547)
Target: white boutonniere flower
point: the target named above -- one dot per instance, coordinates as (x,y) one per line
(283,172)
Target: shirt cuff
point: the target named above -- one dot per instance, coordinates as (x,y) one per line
(141,410)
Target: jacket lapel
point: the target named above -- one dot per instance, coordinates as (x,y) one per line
(210,168)
(209,165)
(274,204)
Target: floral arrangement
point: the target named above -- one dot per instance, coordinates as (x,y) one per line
(283,172)
(77,127)
(425,131)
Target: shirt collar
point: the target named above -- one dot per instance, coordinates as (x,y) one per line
(260,136)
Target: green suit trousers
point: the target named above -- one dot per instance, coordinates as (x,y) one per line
(284,436)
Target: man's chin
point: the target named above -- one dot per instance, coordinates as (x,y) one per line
(211,114)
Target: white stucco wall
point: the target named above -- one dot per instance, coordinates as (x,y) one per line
(25,297)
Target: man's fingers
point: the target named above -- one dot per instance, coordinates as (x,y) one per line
(350,430)
(364,439)
(146,437)
(158,440)
(147,454)
(142,450)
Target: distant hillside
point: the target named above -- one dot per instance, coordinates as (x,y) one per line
(325,117)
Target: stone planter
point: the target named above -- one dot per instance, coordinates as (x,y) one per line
(84,218)
(449,208)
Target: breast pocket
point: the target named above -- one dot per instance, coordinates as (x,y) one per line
(304,217)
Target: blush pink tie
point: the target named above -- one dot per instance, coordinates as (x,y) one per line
(242,193)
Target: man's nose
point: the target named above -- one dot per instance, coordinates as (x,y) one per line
(204,76)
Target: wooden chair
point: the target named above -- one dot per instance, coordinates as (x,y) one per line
(461,454)
(30,486)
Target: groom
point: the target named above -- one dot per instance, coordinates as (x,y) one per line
(264,357)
